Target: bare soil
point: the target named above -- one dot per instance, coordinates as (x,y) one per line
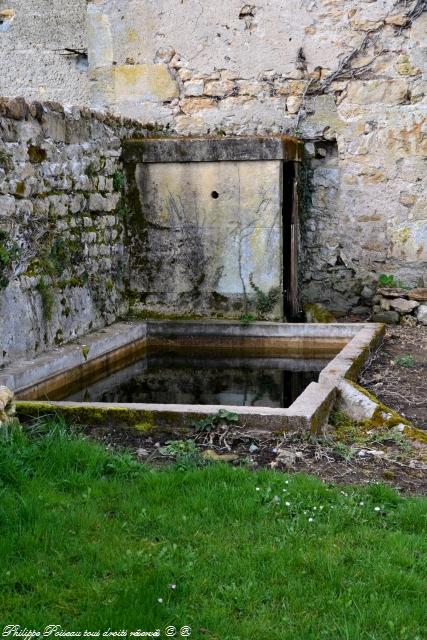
(397,461)
(399,386)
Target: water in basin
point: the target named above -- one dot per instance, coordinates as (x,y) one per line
(170,376)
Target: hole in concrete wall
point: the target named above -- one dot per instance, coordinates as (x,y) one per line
(247,13)
(326,149)
(215,195)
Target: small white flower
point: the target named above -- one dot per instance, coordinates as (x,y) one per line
(173,586)
(311,519)
(377,509)
(284,490)
(256,488)
(160,600)
(361,504)
(314,508)
(321,507)
(286,481)
(288,504)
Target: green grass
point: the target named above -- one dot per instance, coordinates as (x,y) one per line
(92,540)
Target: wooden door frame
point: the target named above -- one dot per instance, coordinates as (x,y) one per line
(290,233)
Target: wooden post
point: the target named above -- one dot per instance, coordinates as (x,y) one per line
(290,239)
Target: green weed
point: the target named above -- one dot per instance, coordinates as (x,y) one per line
(265,302)
(211,421)
(185,453)
(91,170)
(45,291)
(9,251)
(390,282)
(246,319)
(118,181)
(406,360)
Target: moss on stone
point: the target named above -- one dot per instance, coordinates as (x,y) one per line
(413,433)
(20,189)
(386,419)
(357,363)
(140,419)
(317,313)
(36,154)
(5,161)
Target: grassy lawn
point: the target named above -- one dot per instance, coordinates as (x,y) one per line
(92,540)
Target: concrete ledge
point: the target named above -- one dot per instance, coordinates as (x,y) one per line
(28,373)
(351,358)
(160,417)
(173,328)
(314,405)
(355,404)
(210,149)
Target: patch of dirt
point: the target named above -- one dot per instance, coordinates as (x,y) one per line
(395,460)
(397,373)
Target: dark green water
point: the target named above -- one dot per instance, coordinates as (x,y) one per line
(171,378)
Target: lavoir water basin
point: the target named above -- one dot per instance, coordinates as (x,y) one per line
(164,374)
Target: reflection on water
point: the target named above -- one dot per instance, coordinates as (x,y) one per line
(171,378)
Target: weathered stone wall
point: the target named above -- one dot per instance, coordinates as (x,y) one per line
(63,265)
(43,50)
(350,75)
(347,77)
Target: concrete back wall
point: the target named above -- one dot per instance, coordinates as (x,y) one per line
(210,226)
(42,50)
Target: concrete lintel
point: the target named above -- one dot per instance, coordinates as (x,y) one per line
(210,149)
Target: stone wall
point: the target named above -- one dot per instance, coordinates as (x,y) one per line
(43,50)
(347,77)
(63,265)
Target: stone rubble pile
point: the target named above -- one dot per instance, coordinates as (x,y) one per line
(396,305)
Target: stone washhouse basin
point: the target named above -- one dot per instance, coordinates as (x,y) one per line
(345,347)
